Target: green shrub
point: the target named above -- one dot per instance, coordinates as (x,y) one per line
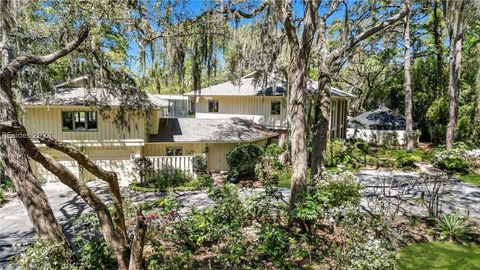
(274,149)
(208,226)
(332,190)
(166,178)
(454,164)
(362,146)
(267,171)
(336,152)
(44,255)
(339,189)
(234,253)
(142,165)
(199,164)
(407,161)
(198,229)
(272,242)
(243,159)
(453,227)
(204,181)
(94,254)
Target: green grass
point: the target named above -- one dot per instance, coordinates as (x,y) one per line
(396,153)
(284,181)
(471,178)
(439,256)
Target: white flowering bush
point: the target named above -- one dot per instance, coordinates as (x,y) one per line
(371,255)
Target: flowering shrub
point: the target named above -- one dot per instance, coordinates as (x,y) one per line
(371,255)
(454,161)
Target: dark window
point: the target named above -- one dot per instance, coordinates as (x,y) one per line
(174,151)
(79,121)
(67,121)
(192,107)
(92,120)
(275,108)
(213,106)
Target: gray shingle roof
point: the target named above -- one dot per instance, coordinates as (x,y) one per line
(242,87)
(81,96)
(209,130)
(249,86)
(382,118)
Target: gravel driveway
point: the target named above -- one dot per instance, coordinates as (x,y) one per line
(16,228)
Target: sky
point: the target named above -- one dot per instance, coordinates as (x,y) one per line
(195,7)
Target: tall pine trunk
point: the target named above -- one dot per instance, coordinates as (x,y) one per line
(476,122)
(455,12)
(407,82)
(437,37)
(455,62)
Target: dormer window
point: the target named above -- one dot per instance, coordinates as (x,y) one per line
(275,108)
(79,121)
(213,105)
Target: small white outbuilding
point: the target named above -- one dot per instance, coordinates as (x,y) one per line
(381,126)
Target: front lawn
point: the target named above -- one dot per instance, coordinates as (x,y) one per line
(471,178)
(439,255)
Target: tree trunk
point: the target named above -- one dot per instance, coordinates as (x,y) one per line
(136,254)
(455,61)
(476,122)
(407,82)
(18,169)
(321,128)
(297,120)
(455,13)
(297,87)
(438,48)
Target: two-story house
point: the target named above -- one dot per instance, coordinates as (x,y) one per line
(263,102)
(225,116)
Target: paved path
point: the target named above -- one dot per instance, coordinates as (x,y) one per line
(16,229)
(459,197)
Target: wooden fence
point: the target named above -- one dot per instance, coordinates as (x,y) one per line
(170,164)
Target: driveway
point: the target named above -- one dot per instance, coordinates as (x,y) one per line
(16,228)
(458,197)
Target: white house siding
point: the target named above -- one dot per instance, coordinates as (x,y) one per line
(378,137)
(49,119)
(117,159)
(256,108)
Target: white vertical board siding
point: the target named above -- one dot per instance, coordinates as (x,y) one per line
(256,108)
(116,159)
(49,120)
